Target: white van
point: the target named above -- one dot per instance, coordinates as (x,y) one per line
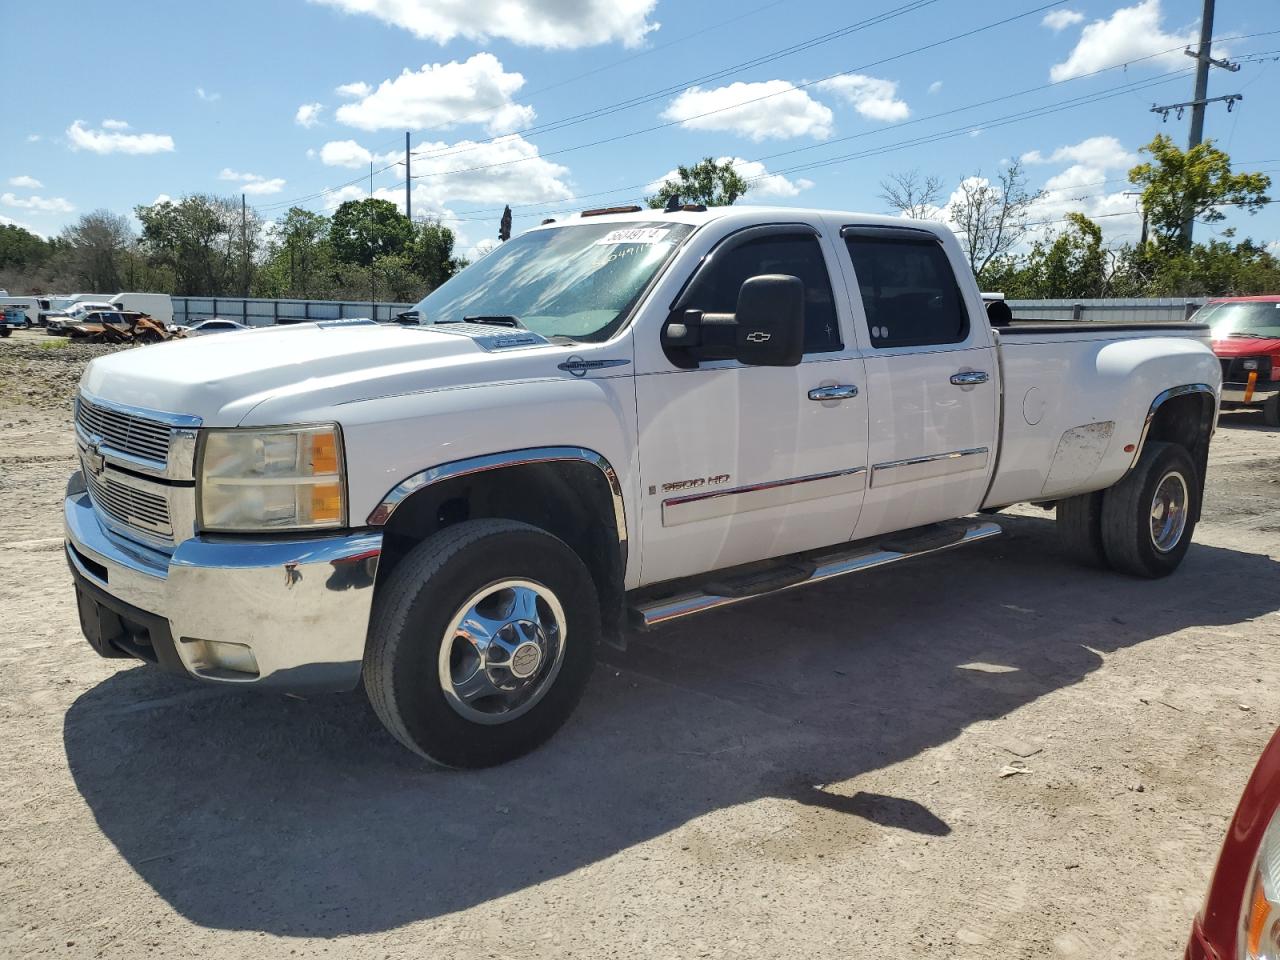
(27,306)
(158,306)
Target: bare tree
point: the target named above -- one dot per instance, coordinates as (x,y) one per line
(99,245)
(912,196)
(992,218)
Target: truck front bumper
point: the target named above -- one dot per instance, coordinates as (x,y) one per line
(289,614)
(1263,390)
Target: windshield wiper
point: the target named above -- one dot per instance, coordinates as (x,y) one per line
(502,320)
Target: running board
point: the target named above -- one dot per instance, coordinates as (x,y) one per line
(654,612)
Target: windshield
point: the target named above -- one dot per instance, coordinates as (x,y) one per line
(1257,318)
(577,281)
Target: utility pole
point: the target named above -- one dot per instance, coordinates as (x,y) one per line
(244,245)
(408,180)
(1204,60)
(373,302)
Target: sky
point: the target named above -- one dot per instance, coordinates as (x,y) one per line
(552,106)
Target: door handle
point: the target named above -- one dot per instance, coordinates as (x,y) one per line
(837,391)
(968,378)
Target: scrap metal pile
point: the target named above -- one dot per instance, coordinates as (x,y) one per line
(138,329)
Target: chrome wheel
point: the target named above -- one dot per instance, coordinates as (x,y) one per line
(502,651)
(1169,512)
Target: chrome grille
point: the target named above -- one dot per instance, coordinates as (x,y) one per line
(131,435)
(142,510)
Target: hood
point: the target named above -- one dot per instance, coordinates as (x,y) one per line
(1238,346)
(222,378)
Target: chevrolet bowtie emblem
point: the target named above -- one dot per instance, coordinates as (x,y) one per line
(94,461)
(758,337)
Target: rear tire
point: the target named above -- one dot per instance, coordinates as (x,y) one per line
(1271,411)
(460,605)
(1080,529)
(1148,518)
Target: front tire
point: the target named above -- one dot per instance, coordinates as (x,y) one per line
(481,642)
(1149,516)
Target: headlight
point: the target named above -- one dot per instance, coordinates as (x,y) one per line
(1262,902)
(287,478)
(1249,364)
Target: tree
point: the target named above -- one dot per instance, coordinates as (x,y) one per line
(199,240)
(431,254)
(300,256)
(991,218)
(1070,263)
(20,248)
(100,243)
(716,184)
(1180,186)
(911,196)
(363,230)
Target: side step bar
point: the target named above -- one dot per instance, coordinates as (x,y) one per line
(654,612)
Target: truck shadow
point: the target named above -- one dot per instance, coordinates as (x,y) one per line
(303,818)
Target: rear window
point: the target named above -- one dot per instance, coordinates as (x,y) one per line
(909,292)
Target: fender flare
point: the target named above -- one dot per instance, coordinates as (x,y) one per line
(382,513)
(1161,399)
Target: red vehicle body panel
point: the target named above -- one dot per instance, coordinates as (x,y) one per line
(1238,346)
(1215,933)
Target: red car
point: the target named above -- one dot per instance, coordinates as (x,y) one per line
(1246,339)
(1240,919)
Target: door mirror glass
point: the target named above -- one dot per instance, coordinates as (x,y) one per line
(770,321)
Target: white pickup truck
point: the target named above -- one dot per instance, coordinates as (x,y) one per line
(606,424)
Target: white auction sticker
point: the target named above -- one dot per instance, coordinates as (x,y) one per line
(635,235)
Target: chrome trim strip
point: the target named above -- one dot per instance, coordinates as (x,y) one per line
(882,474)
(1163,397)
(172,419)
(657,612)
(680,510)
(496,461)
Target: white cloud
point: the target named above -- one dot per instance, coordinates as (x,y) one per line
(1128,34)
(308,114)
(33,138)
(513,173)
(114,125)
(357,89)
(252,183)
(113,141)
(743,109)
(935,86)
(206,95)
(763,183)
(10,222)
(37,204)
(441,95)
(27,183)
(977,131)
(1100,153)
(161,198)
(1061,19)
(344,153)
(561,24)
(872,97)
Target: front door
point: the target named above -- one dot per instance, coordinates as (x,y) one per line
(741,463)
(932,382)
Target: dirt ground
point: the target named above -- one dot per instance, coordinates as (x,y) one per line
(817,774)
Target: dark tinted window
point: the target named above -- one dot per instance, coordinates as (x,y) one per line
(716,288)
(909,292)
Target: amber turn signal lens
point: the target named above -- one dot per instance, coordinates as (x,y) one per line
(324,453)
(326,502)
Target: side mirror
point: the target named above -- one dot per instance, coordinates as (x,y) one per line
(765,330)
(770,321)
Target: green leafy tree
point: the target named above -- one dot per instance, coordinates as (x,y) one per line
(299,260)
(1068,263)
(1181,185)
(19,247)
(363,230)
(431,254)
(202,242)
(716,184)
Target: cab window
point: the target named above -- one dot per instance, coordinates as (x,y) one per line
(909,292)
(716,289)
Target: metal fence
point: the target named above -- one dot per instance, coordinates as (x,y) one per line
(264,313)
(260,313)
(1121,310)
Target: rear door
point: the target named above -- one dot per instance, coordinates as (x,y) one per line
(932,381)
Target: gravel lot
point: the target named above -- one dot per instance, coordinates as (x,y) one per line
(817,774)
